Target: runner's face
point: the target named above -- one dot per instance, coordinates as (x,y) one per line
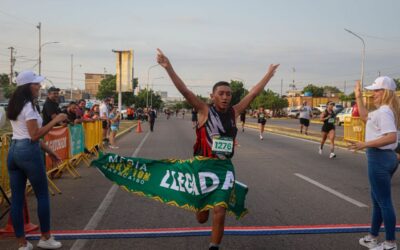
(221,97)
(330,106)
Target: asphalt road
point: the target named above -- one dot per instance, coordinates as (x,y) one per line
(277,170)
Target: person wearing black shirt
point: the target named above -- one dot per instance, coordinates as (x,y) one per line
(152,118)
(51,107)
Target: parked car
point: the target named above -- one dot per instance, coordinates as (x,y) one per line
(293,113)
(321,107)
(338,108)
(341,116)
(316,112)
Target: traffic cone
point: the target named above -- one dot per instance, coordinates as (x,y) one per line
(139,128)
(28,226)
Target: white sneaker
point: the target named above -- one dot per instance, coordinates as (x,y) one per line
(27,247)
(368,241)
(50,243)
(385,246)
(261,137)
(332,155)
(320,151)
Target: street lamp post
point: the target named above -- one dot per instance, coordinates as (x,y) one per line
(152,88)
(148,79)
(363,55)
(72,72)
(39,26)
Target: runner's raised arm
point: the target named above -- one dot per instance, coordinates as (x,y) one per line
(198,104)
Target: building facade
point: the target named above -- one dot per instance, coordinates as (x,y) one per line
(92,82)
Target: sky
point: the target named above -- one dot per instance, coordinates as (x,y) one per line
(206,41)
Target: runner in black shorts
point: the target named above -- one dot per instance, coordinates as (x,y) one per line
(328,128)
(305,116)
(262,119)
(243,119)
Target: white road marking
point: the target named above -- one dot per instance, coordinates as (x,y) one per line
(98,215)
(330,190)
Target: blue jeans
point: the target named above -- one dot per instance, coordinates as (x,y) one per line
(25,161)
(382,164)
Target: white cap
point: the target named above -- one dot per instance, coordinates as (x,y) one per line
(383,82)
(28,76)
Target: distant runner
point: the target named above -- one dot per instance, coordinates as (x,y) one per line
(328,129)
(261,119)
(305,116)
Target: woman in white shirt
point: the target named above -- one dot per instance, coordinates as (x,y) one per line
(25,158)
(380,143)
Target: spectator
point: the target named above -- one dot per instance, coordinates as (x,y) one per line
(114,120)
(81,108)
(70,111)
(152,115)
(51,106)
(95,112)
(104,113)
(129,113)
(25,160)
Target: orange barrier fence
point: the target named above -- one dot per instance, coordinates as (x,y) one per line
(354,129)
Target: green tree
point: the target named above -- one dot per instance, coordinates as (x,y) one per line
(328,90)
(107,87)
(314,90)
(347,98)
(238,91)
(269,100)
(186,104)
(397,81)
(141,99)
(4,80)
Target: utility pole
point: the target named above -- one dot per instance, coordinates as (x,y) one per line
(12,62)
(72,73)
(281,87)
(344,87)
(40,47)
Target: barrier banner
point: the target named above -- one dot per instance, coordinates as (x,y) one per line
(77,139)
(58,140)
(195,184)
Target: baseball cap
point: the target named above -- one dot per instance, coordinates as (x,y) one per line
(53,89)
(28,76)
(383,82)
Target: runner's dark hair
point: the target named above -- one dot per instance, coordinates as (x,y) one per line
(221,83)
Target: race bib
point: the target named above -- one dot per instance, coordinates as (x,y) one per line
(222,145)
(331,120)
(262,116)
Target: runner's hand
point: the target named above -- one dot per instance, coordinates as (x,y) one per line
(162,59)
(272,69)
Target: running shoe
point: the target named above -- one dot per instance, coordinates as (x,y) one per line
(27,247)
(50,243)
(261,137)
(368,241)
(332,155)
(320,150)
(385,246)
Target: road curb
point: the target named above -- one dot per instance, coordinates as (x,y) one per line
(126,130)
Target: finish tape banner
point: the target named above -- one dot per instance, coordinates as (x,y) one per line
(195,184)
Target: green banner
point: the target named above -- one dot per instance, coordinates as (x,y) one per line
(77,139)
(196,184)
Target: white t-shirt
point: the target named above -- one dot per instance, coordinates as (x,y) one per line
(305,112)
(20,130)
(103,109)
(380,122)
